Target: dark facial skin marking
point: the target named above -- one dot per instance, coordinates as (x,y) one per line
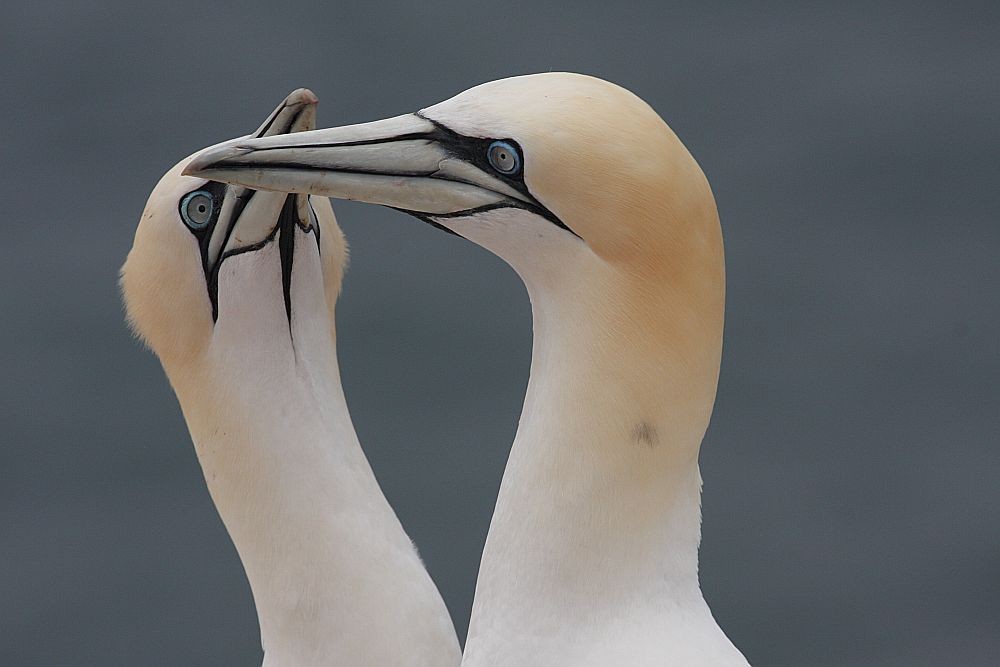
(645,434)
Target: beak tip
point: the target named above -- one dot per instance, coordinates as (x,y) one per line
(302,96)
(211,158)
(297,113)
(196,166)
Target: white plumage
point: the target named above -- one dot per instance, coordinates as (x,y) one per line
(592,556)
(235,292)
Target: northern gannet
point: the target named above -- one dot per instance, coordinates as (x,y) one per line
(592,553)
(235,290)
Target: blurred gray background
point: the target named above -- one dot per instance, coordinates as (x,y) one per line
(851,469)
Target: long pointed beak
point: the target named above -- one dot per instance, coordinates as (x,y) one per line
(296,113)
(249,219)
(406,162)
(246,219)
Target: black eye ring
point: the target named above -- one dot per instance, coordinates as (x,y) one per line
(197,208)
(504,157)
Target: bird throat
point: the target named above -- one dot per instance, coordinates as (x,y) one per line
(284,234)
(287,221)
(598,514)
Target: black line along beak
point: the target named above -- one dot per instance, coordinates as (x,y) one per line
(247,219)
(407,162)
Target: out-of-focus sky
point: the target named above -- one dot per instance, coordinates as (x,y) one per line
(851,495)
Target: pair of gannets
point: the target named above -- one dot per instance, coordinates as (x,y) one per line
(592,554)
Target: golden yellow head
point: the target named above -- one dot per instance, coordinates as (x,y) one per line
(194,242)
(595,155)
(581,154)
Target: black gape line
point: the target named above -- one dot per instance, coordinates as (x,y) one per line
(475,151)
(287,221)
(284,230)
(243,197)
(314,224)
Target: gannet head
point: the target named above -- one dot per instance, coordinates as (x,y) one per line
(526,166)
(184,257)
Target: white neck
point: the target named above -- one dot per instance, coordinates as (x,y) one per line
(592,554)
(334,577)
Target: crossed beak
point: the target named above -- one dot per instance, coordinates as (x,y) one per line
(407,162)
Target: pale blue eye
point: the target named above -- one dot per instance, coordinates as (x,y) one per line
(197,208)
(504,158)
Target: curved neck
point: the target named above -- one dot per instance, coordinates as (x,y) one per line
(335,578)
(598,516)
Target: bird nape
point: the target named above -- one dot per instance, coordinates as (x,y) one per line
(234,290)
(592,554)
